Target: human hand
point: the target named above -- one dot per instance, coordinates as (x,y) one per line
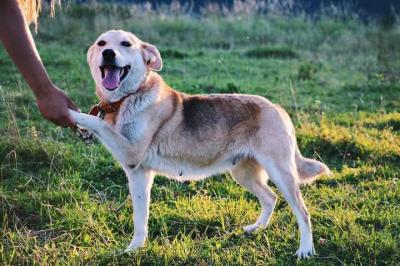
(53,104)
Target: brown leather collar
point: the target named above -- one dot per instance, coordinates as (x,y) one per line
(103,108)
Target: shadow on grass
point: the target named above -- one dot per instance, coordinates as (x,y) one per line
(17,214)
(196,228)
(173,53)
(139,257)
(338,153)
(349,178)
(392,124)
(229,88)
(272,52)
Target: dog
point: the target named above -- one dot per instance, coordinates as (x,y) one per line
(151,128)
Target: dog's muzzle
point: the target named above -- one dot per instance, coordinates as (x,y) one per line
(112,75)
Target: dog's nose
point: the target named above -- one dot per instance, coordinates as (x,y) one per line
(108,54)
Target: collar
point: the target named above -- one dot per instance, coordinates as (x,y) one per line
(103,108)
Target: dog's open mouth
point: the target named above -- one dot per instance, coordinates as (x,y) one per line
(113,75)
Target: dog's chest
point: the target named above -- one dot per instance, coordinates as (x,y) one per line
(132,131)
(134,127)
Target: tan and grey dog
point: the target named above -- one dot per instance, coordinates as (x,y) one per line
(155,129)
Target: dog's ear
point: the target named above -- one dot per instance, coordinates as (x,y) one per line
(151,56)
(89,54)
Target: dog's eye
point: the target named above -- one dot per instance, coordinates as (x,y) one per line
(126,44)
(101,43)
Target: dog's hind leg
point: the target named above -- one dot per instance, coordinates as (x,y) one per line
(253,177)
(140,183)
(284,175)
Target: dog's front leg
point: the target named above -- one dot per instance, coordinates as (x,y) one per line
(140,182)
(124,151)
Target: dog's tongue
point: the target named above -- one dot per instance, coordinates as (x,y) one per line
(111,77)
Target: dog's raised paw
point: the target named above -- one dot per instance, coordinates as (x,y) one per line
(85,135)
(85,120)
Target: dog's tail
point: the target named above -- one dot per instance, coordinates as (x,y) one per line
(309,169)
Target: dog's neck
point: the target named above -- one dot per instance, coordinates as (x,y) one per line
(105,107)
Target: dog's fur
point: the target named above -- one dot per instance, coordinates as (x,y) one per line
(160,130)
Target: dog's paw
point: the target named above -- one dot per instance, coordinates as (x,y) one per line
(85,135)
(136,243)
(252,227)
(84,120)
(305,252)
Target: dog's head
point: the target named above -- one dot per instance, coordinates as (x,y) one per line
(119,62)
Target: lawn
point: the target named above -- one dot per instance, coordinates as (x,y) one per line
(63,202)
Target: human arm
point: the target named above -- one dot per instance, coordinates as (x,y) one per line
(53,103)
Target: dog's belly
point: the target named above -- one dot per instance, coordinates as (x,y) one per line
(182,170)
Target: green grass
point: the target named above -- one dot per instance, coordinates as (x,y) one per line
(62,202)
(271,52)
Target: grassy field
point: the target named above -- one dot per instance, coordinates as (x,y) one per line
(62,202)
